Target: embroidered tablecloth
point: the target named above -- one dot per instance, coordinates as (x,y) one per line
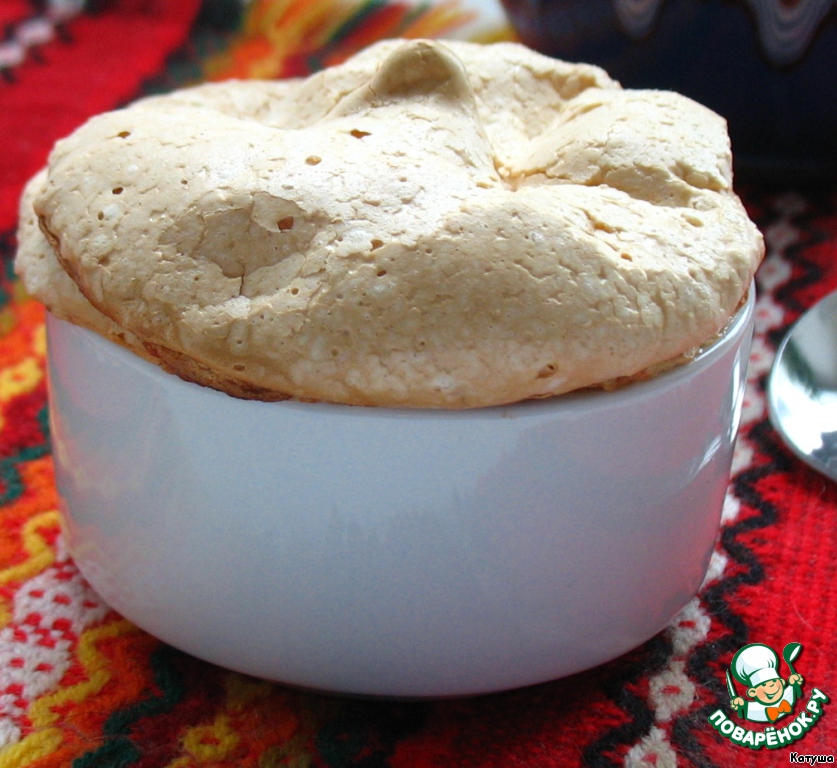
(81,686)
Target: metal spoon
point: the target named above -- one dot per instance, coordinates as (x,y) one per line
(802,388)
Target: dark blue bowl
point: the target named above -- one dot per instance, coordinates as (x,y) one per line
(776,86)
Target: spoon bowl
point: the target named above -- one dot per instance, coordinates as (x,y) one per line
(802,388)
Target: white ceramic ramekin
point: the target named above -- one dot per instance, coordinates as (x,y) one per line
(393,552)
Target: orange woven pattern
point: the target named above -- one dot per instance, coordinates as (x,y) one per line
(287,38)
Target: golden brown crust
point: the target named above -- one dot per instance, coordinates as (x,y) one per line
(191,370)
(428,225)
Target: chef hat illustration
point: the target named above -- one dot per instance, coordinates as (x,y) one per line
(755,664)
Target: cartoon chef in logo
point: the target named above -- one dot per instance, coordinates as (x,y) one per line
(770,696)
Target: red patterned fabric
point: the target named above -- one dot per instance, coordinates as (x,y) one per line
(97,63)
(81,686)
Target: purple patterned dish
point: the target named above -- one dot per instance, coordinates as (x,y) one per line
(768,66)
